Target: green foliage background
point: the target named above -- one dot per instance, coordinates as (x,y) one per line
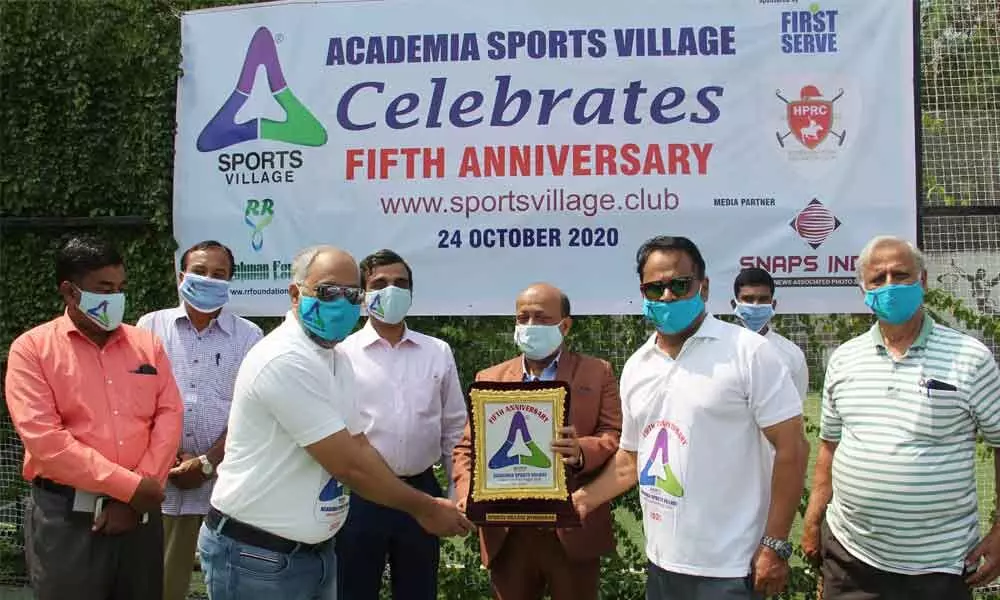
(87,112)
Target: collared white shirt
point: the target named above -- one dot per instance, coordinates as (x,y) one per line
(412,401)
(204,364)
(794,358)
(704,466)
(290,393)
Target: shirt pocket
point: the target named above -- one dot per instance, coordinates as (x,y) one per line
(941,412)
(140,394)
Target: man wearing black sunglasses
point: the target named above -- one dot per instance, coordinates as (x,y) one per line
(295,441)
(698,400)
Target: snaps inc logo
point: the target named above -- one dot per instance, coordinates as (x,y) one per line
(519,448)
(810,118)
(815,223)
(299,128)
(258,214)
(812,31)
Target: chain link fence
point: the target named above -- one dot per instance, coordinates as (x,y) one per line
(959,228)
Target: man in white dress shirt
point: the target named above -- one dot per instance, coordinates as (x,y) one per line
(754,305)
(294,442)
(414,413)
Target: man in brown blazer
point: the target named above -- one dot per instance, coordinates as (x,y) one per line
(524,561)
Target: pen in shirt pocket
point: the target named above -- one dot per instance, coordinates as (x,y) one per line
(218,357)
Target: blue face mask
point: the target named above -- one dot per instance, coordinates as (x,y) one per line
(204,294)
(754,316)
(673,317)
(895,303)
(330,320)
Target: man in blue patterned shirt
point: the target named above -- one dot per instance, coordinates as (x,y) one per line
(206,344)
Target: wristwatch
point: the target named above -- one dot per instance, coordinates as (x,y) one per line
(207,468)
(781,547)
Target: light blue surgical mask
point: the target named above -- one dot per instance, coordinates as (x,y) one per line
(389,304)
(330,320)
(754,316)
(674,317)
(204,294)
(538,341)
(105,310)
(895,303)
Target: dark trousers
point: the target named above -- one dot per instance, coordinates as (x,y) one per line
(847,578)
(667,585)
(66,559)
(374,533)
(532,561)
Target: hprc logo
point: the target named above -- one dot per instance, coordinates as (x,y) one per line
(300,127)
(258,214)
(810,118)
(815,223)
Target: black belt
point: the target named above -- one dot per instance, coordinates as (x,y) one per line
(248,534)
(414,479)
(56,488)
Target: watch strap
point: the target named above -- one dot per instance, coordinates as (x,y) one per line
(783,548)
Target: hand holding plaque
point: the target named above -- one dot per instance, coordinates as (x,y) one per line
(517,477)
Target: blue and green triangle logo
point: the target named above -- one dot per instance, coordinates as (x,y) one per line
(534,456)
(657,471)
(300,127)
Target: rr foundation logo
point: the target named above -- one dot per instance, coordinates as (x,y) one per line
(100,313)
(300,127)
(258,214)
(526,453)
(815,223)
(810,118)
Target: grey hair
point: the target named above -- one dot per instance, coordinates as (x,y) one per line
(880,240)
(304,259)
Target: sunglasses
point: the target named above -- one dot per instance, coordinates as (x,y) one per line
(656,290)
(328,292)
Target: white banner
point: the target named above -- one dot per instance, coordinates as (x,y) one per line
(493,145)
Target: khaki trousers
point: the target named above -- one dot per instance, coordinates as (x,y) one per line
(180,542)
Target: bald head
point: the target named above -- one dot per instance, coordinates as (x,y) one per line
(542,304)
(325,264)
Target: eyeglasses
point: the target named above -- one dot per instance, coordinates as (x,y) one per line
(656,290)
(329,291)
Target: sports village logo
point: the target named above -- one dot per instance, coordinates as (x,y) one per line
(299,128)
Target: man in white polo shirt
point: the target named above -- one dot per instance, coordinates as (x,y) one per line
(754,305)
(291,448)
(703,403)
(895,474)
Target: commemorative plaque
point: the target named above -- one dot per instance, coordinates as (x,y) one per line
(517,480)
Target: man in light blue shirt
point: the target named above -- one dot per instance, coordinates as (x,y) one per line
(206,344)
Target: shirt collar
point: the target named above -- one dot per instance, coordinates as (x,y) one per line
(548,373)
(921,342)
(710,328)
(66,326)
(369,336)
(225,320)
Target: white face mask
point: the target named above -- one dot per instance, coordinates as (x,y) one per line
(389,304)
(105,310)
(538,341)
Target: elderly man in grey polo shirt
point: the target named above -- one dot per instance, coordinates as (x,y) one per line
(895,475)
